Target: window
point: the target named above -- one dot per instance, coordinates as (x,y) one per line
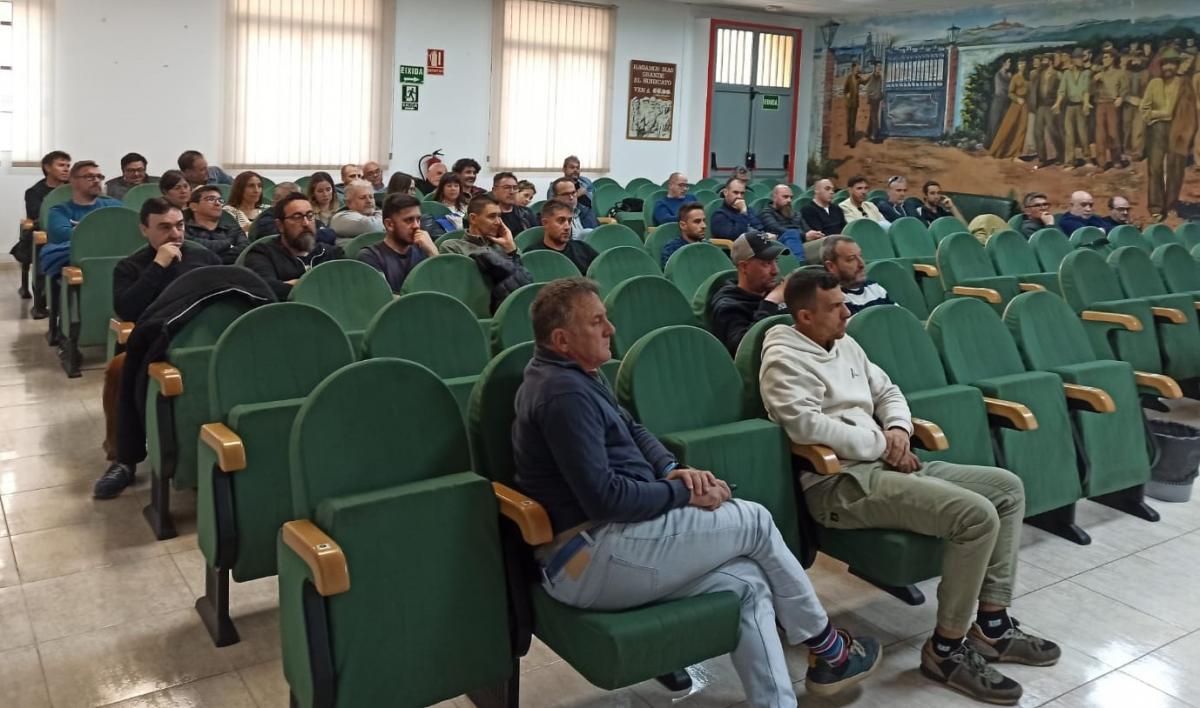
(739,62)
(309,84)
(735,49)
(25,76)
(775,60)
(553,94)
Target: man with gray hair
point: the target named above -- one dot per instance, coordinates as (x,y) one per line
(666,211)
(360,215)
(1081,213)
(1037,213)
(633,526)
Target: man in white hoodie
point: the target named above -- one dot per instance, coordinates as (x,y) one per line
(819,385)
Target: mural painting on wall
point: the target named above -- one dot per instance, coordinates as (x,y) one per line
(1051,98)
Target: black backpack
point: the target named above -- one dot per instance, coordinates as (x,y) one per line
(632,204)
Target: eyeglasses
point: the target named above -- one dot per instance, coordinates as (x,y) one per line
(1039,205)
(301,218)
(893,180)
(213,199)
(91,177)
(135,170)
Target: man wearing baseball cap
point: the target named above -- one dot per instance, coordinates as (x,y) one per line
(757,293)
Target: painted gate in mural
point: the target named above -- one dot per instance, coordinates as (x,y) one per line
(915,87)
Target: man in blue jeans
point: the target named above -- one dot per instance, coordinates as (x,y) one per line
(632,526)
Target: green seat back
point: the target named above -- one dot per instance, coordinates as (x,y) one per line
(658,239)
(1015,221)
(1051,247)
(490,413)
(1012,254)
(877,194)
(704,196)
(912,239)
(303,181)
(607,197)
(546,265)
(608,236)
(962,260)
(454,275)
(1189,234)
(604,181)
(1127,233)
(257,243)
(691,265)
(636,183)
(900,285)
(704,294)
(434,209)
(449,235)
(100,240)
(748,361)
(432,329)
(973,345)
(1088,237)
(1125,238)
(513,323)
(350,291)
(1180,271)
(871,238)
(1089,282)
(706,183)
(943,226)
(1136,272)
(536,207)
(58,195)
(1160,235)
(616,265)
(1047,332)
(1179,343)
(650,196)
(361,241)
(137,196)
(641,305)
(224,190)
(530,237)
(711,207)
(787,262)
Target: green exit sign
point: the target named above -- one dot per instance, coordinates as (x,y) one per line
(770,102)
(412,74)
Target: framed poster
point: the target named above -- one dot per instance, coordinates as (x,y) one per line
(651,100)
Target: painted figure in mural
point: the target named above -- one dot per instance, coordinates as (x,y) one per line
(1042,96)
(1132,122)
(1009,139)
(875,102)
(850,90)
(1109,89)
(1074,105)
(1000,97)
(1169,108)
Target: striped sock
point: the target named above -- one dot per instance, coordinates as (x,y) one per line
(829,646)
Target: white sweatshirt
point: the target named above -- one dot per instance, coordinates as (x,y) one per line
(836,398)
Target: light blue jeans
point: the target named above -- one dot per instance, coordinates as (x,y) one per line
(691,551)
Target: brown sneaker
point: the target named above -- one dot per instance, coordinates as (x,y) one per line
(1015,647)
(969,673)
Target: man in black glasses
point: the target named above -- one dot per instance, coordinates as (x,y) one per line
(1081,213)
(1037,213)
(1118,213)
(282,261)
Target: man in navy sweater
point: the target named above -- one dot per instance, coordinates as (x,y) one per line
(632,526)
(1082,212)
(733,218)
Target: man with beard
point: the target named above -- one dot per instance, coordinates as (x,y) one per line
(842,256)
(557,224)
(282,261)
(1170,112)
(693,226)
(779,220)
(755,295)
(405,244)
(468,170)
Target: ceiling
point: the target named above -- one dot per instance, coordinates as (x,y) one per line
(842,8)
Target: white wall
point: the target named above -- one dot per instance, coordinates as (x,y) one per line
(147,75)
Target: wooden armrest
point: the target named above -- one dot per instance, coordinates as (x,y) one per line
(929,435)
(721,243)
(170,380)
(1166,314)
(610,220)
(1096,399)
(231,454)
(320,553)
(821,458)
(528,515)
(73,275)
(39,238)
(1032,288)
(1016,414)
(26,224)
(1166,386)
(1129,322)
(988,294)
(929,271)
(122,327)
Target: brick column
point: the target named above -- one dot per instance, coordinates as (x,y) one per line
(951,85)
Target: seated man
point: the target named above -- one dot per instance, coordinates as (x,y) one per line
(857,206)
(1118,213)
(779,220)
(434,170)
(350,173)
(197,172)
(819,385)
(282,261)
(755,295)
(692,227)
(1037,214)
(516,218)
(583,219)
(667,208)
(360,215)
(204,225)
(733,218)
(489,242)
(843,257)
(823,215)
(1080,213)
(936,205)
(87,183)
(372,172)
(405,245)
(468,170)
(133,173)
(556,222)
(137,280)
(56,169)
(585,192)
(892,206)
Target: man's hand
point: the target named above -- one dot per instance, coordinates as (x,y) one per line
(423,241)
(897,445)
(697,481)
(776,295)
(740,205)
(813,235)
(167,253)
(504,238)
(1048,219)
(907,464)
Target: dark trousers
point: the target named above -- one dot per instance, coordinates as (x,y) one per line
(851,123)
(131,417)
(1165,168)
(875,120)
(1046,132)
(1108,133)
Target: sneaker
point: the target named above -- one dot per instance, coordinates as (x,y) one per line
(1015,647)
(114,481)
(862,659)
(967,672)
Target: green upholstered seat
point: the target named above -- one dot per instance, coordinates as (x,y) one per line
(659,238)
(977,350)
(944,226)
(350,291)
(704,294)
(748,361)
(1189,234)
(1178,269)
(257,243)
(641,305)
(963,262)
(610,649)
(691,265)
(436,331)
(636,183)
(607,196)
(530,237)
(1012,255)
(456,276)
(608,236)
(546,265)
(912,240)
(434,208)
(871,238)
(1129,238)
(424,615)
(1180,342)
(261,368)
(633,220)
(1093,238)
(139,195)
(361,241)
(901,287)
(1050,246)
(512,323)
(616,265)
(1051,338)
(1160,235)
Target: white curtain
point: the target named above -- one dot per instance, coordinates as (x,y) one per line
(308,82)
(26,78)
(552,88)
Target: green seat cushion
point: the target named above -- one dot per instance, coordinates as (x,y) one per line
(617,649)
(960,412)
(884,556)
(460,387)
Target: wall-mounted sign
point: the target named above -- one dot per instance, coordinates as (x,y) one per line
(770,102)
(435,62)
(412,74)
(410,97)
(651,100)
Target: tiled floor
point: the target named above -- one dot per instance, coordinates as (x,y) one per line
(94,611)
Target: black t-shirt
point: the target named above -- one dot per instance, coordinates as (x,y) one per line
(577,252)
(517,220)
(394,266)
(34,196)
